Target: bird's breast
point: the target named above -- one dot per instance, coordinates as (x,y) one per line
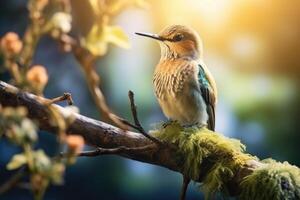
(177,92)
(170,79)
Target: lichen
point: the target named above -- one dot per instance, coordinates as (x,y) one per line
(196,145)
(273,180)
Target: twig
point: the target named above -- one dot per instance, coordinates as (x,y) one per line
(13,180)
(126,122)
(59,120)
(137,123)
(184,187)
(24,185)
(118,150)
(87,60)
(65,97)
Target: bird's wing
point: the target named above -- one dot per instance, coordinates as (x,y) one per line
(208,92)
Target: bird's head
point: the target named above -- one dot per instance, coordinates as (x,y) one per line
(177,41)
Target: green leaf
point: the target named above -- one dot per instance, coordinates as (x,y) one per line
(117,36)
(94,41)
(16,162)
(99,37)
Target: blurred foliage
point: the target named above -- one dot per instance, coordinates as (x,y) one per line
(98,37)
(52,18)
(23,132)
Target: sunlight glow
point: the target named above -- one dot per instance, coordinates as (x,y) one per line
(245,46)
(214,13)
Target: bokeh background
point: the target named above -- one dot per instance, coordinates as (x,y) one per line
(251,47)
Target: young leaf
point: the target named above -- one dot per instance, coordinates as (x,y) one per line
(99,37)
(117,36)
(16,162)
(95,41)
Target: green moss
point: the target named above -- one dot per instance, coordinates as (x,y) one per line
(222,155)
(200,148)
(273,180)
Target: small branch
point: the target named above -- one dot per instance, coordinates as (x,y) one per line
(13,181)
(65,97)
(124,121)
(87,63)
(134,111)
(138,125)
(117,151)
(86,59)
(184,187)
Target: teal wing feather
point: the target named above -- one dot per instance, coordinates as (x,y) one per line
(208,96)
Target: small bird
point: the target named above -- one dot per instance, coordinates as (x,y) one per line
(185,89)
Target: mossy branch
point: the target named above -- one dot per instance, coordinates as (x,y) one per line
(218,162)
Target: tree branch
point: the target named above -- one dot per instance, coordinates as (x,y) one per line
(95,133)
(102,136)
(137,123)
(119,150)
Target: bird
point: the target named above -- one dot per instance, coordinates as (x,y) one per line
(185,89)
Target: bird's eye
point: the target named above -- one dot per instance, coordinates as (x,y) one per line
(178,37)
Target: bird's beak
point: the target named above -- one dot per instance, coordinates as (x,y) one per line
(150,35)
